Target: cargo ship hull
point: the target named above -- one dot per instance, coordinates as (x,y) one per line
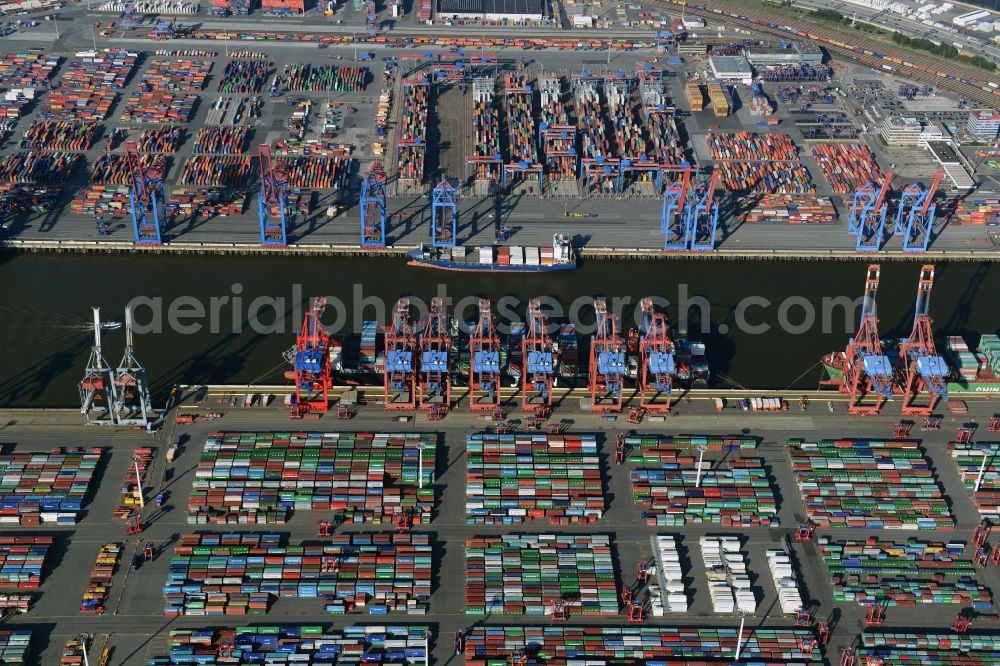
(560,256)
(469,267)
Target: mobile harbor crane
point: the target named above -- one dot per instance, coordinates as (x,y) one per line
(866,369)
(133,405)
(538,363)
(607,362)
(434,396)
(97,389)
(272,202)
(400,355)
(923,372)
(656,361)
(145,196)
(866,219)
(484,362)
(915,215)
(311,366)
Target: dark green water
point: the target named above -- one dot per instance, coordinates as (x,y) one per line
(46,303)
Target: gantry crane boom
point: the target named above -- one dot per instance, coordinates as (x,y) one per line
(145,193)
(133,405)
(920,220)
(444,214)
(400,356)
(97,388)
(866,369)
(435,364)
(673,219)
(867,218)
(924,372)
(373,207)
(311,365)
(656,360)
(703,217)
(607,361)
(484,362)
(272,202)
(538,362)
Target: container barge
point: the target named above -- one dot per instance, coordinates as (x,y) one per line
(498,259)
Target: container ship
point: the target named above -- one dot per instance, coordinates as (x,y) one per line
(690,363)
(499,258)
(970,372)
(359,360)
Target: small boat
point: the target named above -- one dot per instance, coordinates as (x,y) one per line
(110,325)
(499,258)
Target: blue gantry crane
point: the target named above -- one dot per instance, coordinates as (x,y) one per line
(703,217)
(373,207)
(444,214)
(673,218)
(924,372)
(866,220)
(915,215)
(272,203)
(145,196)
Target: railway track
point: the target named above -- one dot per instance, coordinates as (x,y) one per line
(971,83)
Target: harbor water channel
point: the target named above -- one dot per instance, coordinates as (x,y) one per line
(228,320)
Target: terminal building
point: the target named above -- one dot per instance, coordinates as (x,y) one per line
(731,69)
(791,56)
(951,164)
(492,10)
(910,133)
(983,123)
(901,132)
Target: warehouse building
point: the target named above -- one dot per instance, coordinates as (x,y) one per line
(951,165)
(983,123)
(731,69)
(791,56)
(492,10)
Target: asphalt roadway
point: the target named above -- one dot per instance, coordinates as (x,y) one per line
(630,222)
(134,628)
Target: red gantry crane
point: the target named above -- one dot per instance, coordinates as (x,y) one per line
(607,361)
(435,366)
(538,363)
(484,362)
(400,352)
(311,363)
(925,373)
(866,369)
(656,361)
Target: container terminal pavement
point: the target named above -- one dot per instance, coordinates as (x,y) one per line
(198,117)
(495,582)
